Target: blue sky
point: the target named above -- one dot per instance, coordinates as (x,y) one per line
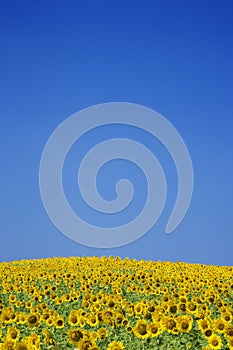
(175,57)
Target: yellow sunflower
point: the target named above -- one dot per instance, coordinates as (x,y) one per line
(116,345)
(192,307)
(12,298)
(227,317)
(140,329)
(13,334)
(59,322)
(184,324)
(154,329)
(108,317)
(8,344)
(92,320)
(215,342)
(86,343)
(138,308)
(102,334)
(229,331)
(33,319)
(119,318)
(48,338)
(75,335)
(33,340)
(172,308)
(219,325)
(49,321)
(203,324)
(230,343)
(207,333)
(22,346)
(169,324)
(73,318)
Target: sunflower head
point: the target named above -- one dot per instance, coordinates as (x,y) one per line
(33,319)
(184,324)
(75,335)
(140,329)
(116,345)
(215,342)
(208,332)
(22,346)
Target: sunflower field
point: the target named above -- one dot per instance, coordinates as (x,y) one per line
(110,303)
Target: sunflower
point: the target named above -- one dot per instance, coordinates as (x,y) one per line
(116,345)
(227,317)
(59,322)
(33,319)
(33,340)
(92,320)
(108,317)
(46,313)
(18,304)
(73,318)
(229,331)
(172,308)
(169,324)
(129,329)
(86,304)
(86,343)
(49,321)
(111,304)
(22,346)
(37,297)
(48,338)
(184,323)
(182,299)
(12,298)
(125,322)
(28,304)
(140,329)
(13,334)
(203,324)
(219,325)
(182,307)
(66,297)
(215,342)
(230,343)
(5,316)
(154,329)
(95,307)
(58,300)
(102,334)
(81,321)
(119,318)
(13,317)
(156,317)
(192,307)
(75,335)
(208,333)
(138,308)
(8,345)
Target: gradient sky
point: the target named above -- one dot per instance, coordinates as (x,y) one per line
(175,57)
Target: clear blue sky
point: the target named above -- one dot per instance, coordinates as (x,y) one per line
(175,57)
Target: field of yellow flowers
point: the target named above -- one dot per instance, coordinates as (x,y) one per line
(111,303)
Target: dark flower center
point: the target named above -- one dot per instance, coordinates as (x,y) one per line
(184,325)
(32,319)
(208,333)
(142,329)
(171,324)
(76,335)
